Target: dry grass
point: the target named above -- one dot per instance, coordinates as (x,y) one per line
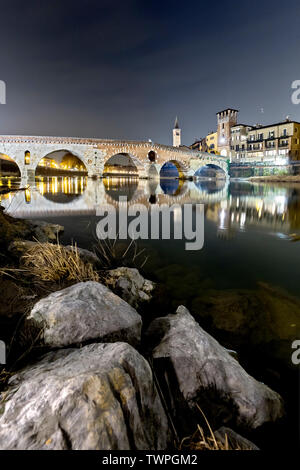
(113,254)
(54,263)
(201,440)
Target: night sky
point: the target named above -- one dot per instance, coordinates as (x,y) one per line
(125,69)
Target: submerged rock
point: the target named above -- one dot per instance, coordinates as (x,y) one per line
(44,231)
(257,316)
(130,285)
(86,255)
(100,397)
(19,248)
(205,373)
(84,312)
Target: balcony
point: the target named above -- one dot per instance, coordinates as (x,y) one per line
(250,141)
(283,145)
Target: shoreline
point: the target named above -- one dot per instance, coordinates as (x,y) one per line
(275,179)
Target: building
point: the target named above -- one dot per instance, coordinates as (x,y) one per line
(276,143)
(238,142)
(176,134)
(226,119)
(212,142)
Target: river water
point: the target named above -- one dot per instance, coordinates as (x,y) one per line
(242,286)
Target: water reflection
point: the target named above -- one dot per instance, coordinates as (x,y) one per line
(232,207)
(61,189)
(169,186)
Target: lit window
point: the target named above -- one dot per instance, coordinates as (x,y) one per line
(27,158)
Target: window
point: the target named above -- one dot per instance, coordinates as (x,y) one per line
(284,133)
(271,134)
(27,158)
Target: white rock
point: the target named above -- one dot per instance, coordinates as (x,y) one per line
(84,312)
(99,397)
(202,367)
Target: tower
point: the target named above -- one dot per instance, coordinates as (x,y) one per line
(176,134)
(226,119)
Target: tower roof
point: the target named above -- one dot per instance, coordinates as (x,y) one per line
(176,125)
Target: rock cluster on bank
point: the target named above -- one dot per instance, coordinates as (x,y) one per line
(103,395)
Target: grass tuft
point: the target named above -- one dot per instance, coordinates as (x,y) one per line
(202,440)
(54,263)
(113,254)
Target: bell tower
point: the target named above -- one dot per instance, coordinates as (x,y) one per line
(176,134)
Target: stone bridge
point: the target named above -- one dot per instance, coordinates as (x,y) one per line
(148,157)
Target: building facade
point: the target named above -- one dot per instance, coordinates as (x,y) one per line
(275,143)
(212,142)
(238,141)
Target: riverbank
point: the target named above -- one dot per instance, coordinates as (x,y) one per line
(275,179)
(102,332)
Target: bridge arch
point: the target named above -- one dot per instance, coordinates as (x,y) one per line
(9,166)
(126,163)
(168,170)
(79,162)
(211,170)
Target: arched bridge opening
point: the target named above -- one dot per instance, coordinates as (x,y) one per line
(121,165)
(9,167)
(60,163)
(210,171)
(172,169)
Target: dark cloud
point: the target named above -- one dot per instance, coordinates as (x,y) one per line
(111,68)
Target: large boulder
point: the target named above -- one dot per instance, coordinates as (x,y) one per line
(99,397)
(205,373)
(84,312)
(130,285)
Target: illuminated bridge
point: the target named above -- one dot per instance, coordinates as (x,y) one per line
(147,157)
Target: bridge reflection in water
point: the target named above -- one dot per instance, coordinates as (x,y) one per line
(231,206)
